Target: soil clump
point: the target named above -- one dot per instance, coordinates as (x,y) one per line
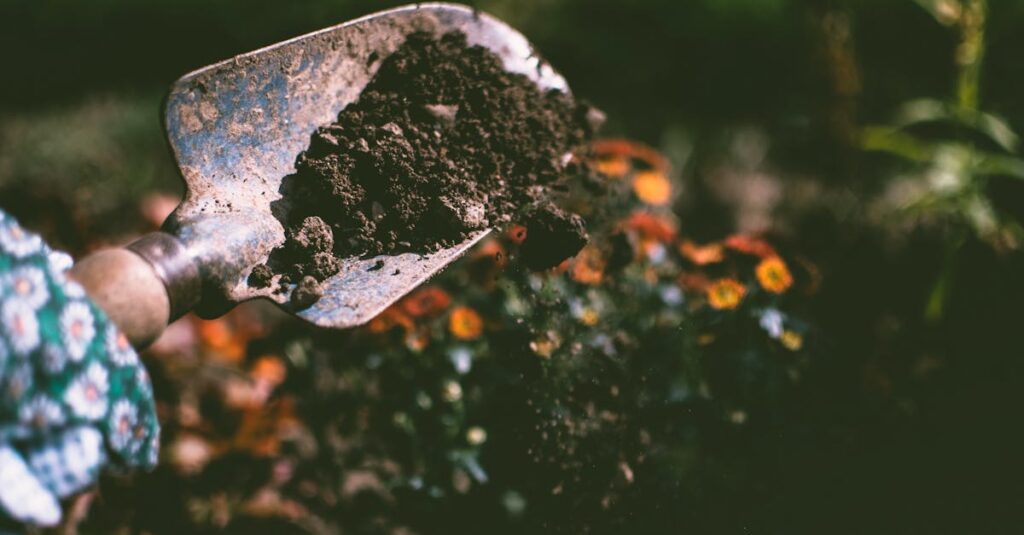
(442,142)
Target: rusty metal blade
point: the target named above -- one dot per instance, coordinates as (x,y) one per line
(236,128)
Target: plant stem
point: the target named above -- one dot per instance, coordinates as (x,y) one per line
(969,55)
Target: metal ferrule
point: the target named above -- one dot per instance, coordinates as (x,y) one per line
(175,268)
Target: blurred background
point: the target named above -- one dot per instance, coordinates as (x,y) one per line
(874,143)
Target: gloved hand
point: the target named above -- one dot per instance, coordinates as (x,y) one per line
(74,398)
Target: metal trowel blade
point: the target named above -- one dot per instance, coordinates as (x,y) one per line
(236,128)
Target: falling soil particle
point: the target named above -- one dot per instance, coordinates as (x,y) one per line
(550,232)
(442,142)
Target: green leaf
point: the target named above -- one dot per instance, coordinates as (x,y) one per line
(995,164)
(890,140)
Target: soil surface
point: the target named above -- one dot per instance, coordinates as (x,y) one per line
(441,143)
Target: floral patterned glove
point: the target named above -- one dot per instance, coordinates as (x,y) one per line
(74,397)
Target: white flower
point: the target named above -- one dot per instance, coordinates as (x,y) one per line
(577,308)
(154,449)
(671,295)
(21,494)
(87,395)
(771,321)
(462,359)
(54,357)
(28,284)
(72,288)
(41,411)
(16,241)
(452,391)
(142,381)
(77,329)
(118,347)
(656,253)
(476,435)
(20,324)
(72,462)
(59,262)
(124,418)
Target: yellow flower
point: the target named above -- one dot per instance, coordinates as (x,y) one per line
(465,323)
(546,344)
(792,340)
(589,317)
(773,275)
(725,294)
(652,187)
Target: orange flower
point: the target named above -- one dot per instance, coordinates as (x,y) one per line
(702,255)
(270,369)
(773,275)
(267,372)
(750,245)
(625,149)
(588,266)
(220,338)
(651,226)
(427,301)
(652,187)
(725,294)
(487,261)
(465,323)
(389,319)
(492,250)
(613,167)
(517,233)
(261,429)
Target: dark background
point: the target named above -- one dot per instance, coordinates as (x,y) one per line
(906,424)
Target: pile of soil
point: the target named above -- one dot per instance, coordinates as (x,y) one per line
(441,143)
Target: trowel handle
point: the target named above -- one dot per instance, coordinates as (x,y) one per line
(142,287)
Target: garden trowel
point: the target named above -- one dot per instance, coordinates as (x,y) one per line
(235,129)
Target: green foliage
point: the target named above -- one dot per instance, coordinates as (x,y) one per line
(110,147)
(947,151)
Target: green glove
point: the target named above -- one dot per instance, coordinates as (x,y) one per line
(74,397)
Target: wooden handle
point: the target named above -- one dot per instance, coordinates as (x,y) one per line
(143,287)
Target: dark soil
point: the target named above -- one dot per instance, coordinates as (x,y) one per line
(441,143)
(261,276)
(550,233)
